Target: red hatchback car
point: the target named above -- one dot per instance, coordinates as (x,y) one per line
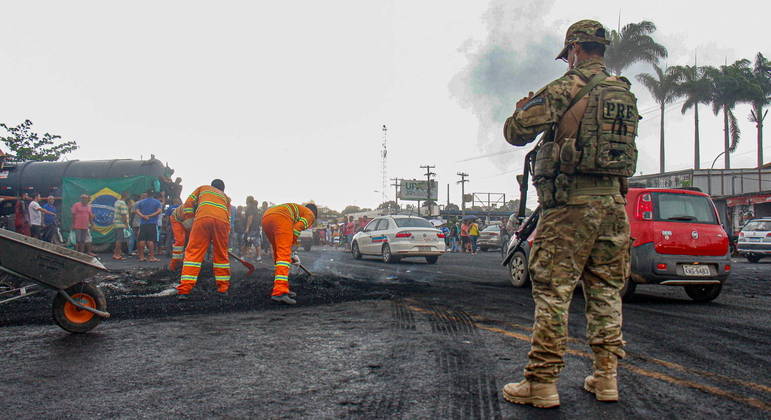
(678,241)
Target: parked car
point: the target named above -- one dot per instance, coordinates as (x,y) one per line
(754,240)
(396,237)
(678,241)
(492,237)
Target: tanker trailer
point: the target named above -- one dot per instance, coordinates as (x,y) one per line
(102,180)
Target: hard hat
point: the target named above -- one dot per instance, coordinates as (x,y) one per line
(584,31)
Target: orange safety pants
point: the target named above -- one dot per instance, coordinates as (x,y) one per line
(206,231)
(178,249)
(280,232)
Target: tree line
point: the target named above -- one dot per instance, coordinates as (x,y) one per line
(721,88)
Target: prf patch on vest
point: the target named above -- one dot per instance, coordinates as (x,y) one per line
(618,110)
(606,138)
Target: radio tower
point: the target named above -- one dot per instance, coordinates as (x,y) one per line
(384,168)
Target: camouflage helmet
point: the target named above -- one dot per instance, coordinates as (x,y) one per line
(584,31)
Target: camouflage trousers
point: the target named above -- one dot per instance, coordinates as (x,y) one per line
(586,240)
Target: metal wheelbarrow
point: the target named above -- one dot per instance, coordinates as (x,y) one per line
(78,306)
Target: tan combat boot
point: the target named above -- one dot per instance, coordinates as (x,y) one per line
(537,394)
(603,383)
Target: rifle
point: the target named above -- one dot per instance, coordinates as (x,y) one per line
(527,225)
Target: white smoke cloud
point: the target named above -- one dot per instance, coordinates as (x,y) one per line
(516,57)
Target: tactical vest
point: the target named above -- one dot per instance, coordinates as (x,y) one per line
(605,112)
(605,144)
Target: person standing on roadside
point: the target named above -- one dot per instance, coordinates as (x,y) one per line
(253,229)
(51,224)
(36,212)
(21,215)
(349,231)
(82,218)
(465,241)
(120,223)
(473,234)
(589,120)
(148,211)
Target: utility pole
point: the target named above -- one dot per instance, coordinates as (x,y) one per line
(462,183)
(384,164)
(429,174)
(396,189)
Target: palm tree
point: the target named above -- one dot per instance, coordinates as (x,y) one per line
(731,85)
(631,44)
(663,88)
(761,79)
(696,88)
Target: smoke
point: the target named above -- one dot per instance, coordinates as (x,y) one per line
(517,57)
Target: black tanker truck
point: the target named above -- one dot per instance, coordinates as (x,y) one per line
(102,180)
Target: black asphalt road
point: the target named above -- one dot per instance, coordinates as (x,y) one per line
(370,340)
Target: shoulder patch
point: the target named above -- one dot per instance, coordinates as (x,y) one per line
(533,102)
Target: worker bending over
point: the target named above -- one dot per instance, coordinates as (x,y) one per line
(209,208)
(180,228)
(282,225)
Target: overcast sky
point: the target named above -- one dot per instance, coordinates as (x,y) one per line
(285,100)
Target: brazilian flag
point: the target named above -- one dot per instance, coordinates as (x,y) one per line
(103,193)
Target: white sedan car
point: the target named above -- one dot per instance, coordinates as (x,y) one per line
(395,237)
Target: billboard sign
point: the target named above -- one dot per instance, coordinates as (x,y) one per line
(414,190)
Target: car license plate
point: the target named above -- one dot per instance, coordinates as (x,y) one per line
(424,248)
(754,239)
(695,270)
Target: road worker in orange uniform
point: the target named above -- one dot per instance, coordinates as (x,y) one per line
(282,225)
(180,228)
(209,208)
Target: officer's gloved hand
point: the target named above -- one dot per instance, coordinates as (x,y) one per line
(296,259)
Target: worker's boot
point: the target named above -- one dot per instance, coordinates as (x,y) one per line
(603,383)
(222,287)
(537,394)
(292,295)
(285,298)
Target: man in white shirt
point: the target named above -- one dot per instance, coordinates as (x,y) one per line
(36,217)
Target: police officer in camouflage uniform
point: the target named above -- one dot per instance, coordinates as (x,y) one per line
(586,152)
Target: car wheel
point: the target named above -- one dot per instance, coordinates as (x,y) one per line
(703,292)
(753,258)
(307,247)
(388,258)
(518,273)
(355,250)
(627,291)
(432,259)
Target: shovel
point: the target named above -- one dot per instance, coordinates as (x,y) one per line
(248,266)
(302,267)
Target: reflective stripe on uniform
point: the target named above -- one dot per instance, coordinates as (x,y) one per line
(213,204)
(226,265)
(189,277)
(283,264)
(191,264)
(222,278)
(296,232)
(280,277)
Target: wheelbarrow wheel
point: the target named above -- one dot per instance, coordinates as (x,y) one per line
(76,320)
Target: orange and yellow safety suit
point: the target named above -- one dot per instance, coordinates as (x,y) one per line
(282,225)
(210,209)
(176,220)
